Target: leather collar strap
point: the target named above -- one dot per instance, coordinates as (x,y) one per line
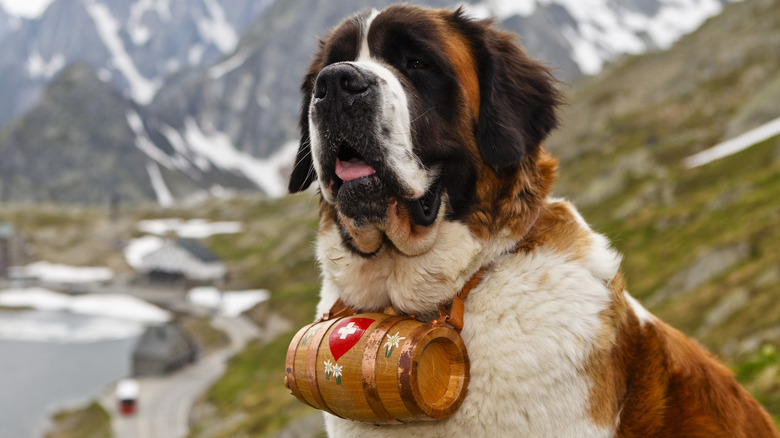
(452,313)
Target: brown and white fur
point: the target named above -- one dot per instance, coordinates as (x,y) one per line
(423,129)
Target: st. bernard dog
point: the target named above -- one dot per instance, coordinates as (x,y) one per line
(423,129)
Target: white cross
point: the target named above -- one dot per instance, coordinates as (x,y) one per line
(347,330)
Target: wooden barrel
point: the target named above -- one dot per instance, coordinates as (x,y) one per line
(378,368)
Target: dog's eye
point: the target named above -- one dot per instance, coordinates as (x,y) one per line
(416,64)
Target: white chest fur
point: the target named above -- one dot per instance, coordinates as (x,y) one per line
(530,327)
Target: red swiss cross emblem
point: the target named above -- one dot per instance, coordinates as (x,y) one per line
(346,334)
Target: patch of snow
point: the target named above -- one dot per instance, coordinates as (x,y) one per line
(218,148)
(505,9)
(56,273)
(33,327)
(584,54)
(143,142)
(478,11)
(263,101)
(29,9)
(35,297)
(116,306)
(104,75)
(142,89)
(229,64)
(171,66)
(108,316)
(163,8)
(180,146)
(677,18)
(139,33)
(227,303)
(284,158)
(164,196)
(736,144)
(38,68)
(189,229)
(139,248)
(195,54)
(217,30)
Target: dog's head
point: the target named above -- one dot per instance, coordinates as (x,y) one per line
(416,116)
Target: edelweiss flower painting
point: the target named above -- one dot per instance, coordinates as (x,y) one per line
(328,369)
(337,373)
(392,342)
(332,369)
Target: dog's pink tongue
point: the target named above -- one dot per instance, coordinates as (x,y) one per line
(353,169)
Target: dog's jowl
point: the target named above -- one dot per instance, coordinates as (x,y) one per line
(423,130)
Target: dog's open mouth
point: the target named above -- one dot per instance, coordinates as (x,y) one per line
(351,166)
(364,196)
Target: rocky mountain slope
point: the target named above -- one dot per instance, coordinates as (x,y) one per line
(223,105)
(86,154)
(74,150)
(700,245)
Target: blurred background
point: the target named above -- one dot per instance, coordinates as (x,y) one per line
(153,272)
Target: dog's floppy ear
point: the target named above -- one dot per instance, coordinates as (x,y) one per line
(517,99)
(303,173)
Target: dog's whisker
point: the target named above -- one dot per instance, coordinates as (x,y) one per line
(423,114)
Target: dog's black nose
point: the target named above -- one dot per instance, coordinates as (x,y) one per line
(340,82)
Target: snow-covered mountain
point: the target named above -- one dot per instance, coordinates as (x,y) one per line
(593,32)
(210,87)
(133,45)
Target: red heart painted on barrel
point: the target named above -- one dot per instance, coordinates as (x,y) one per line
(346,334)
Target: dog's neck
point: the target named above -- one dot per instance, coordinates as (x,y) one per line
(412,285)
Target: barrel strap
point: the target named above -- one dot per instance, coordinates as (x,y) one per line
(452,313)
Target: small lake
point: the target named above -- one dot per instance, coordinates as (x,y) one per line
(53,360)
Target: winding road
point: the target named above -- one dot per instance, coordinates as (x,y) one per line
(164,403)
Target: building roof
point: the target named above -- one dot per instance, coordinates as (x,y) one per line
(198,250)
(184,257)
